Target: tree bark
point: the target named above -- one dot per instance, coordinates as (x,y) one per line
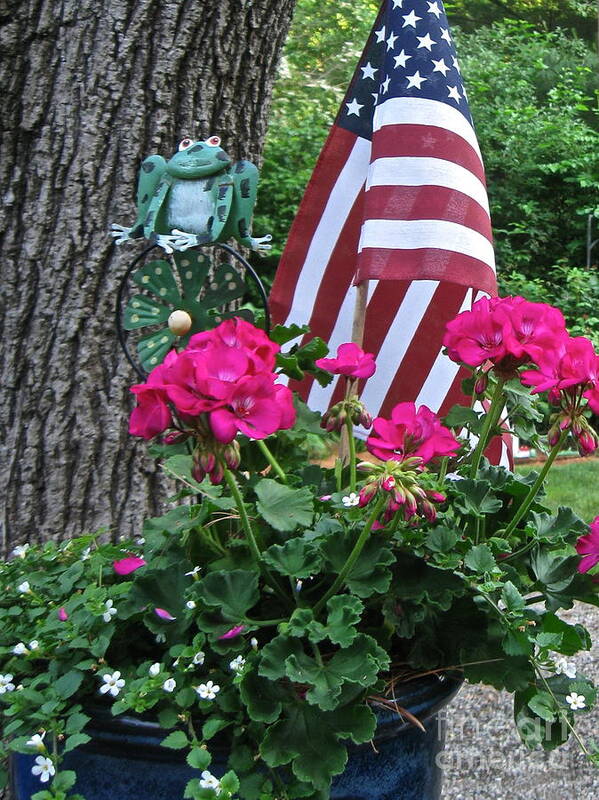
(89,88)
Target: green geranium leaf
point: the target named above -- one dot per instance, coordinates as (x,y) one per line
(572,638)
(512,598)
(480,559)
(284,508)
(262,697)
(441,540)
(298,558)
(275,653)
(345,611)
(475,497)
(555,571)
(369,575)
(555,529)
(281,334)
(543,706)
(462,417)
(234,592)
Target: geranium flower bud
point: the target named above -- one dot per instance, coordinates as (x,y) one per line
(207,461)
(389,483)
(232,455)
(428,509)
(480,386)
(217,475)
(587,443)
(175,437)
(365,419)
(197,473)
(553,435)
(367,492)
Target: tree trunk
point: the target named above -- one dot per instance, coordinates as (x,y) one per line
(89,87)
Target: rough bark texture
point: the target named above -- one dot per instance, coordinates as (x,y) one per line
(89,87)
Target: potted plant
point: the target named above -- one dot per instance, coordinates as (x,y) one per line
(281,610)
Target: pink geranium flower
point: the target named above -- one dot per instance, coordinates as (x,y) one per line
(164,614)
(351,361)
(62,614)
(411,433)
(233,632)
(588,547)
(125,566)
(572,363)
(255,408)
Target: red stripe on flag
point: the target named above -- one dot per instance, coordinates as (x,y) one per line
(333,157)
(392,141)
(427,202)
(425,264)
(424,346)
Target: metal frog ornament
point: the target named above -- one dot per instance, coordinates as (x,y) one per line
(198,197)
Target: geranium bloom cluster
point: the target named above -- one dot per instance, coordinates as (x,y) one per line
(222,384)
(352,363)
(508,333)
(406,442)
(588,547)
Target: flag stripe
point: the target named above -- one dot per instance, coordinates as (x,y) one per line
(421,140)
(421,111)
(428,202)
(410,171)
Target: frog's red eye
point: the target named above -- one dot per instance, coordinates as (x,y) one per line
(213,141)
(185,143)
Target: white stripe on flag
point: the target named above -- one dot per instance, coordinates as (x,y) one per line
(417,234)
(442,374)
(419,111)
(397,341)
(415,171)
(340,202)
(320,396)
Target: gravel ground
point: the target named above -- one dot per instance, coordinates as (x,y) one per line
(484,759)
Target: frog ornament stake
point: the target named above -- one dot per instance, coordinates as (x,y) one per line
(200,197)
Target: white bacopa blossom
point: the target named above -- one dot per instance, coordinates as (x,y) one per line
(20,551)
(154,669)
(237,664)
(351,499)
(208,690)
(191,604)
(112,683)
(20,649)
(34,644)
(208,781)
(254,643)
(109,612)
(24,587)
(564,667)
(194,572)
(169,685)
(44,768)
(199,657)
(37,741)
(575,701)
(85,554)
(6,684)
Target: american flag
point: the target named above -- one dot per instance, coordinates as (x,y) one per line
(398,199)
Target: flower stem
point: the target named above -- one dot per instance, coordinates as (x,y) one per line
(491,418)
(349,426)
(353,556)
(528,500)
(272,460)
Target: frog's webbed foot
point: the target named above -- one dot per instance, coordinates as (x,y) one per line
(259,243)
(176,240)
(120,234)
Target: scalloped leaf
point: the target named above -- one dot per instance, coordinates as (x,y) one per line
(142,311)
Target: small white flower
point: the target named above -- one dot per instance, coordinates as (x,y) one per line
(85,553)
(194,571)
(208,781)
(169,685)
(110,611)
(298,586)
(575,701)
(199,657)
(20,551)
(112,683)
(254,643)
(37,741)
(6,684)
(20,649)
(24,587)
(154,669)
(237,664)
(191,604)
(454,476)
(44,768)
(208,690)
(34,644)
(564,667)
(351,499)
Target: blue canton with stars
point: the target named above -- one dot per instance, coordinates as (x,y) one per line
(409,53)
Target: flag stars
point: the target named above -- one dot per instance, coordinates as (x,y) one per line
(454,93)
(415,81)
(391,41)
(446,35)
(385,85)
(456,63)
(368,71)
(441,66)
(433,8)
(354,108)
(410,20)
(425,41)
(380,35)
(397,3)
(402,59)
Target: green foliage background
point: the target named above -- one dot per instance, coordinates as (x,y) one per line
(531,70)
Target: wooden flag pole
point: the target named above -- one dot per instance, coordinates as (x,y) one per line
(357,336)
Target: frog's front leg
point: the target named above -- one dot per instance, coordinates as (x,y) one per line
(245,188)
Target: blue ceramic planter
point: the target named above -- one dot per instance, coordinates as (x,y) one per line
(124,760)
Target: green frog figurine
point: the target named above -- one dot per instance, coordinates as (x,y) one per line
(200,196)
